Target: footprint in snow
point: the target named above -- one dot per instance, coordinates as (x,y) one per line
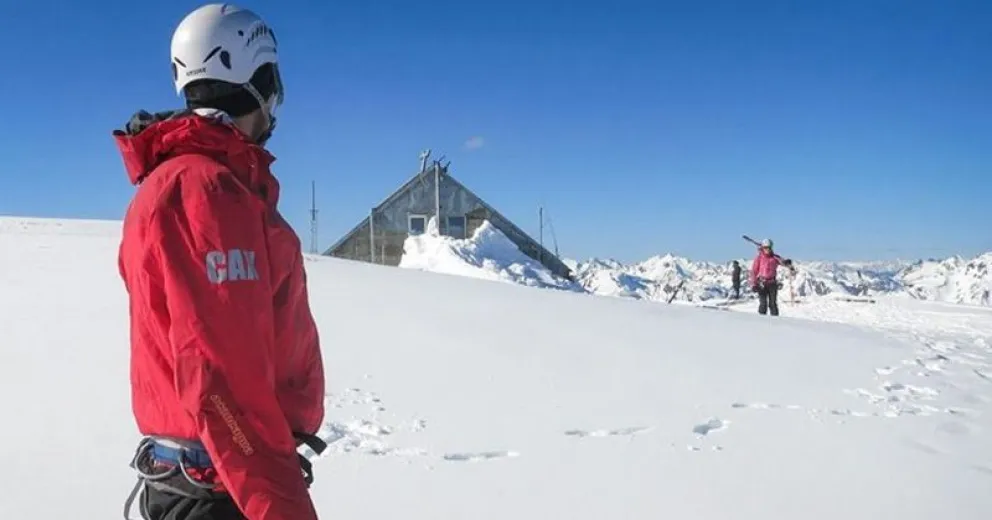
(909,391)
(697,448)
(944,346)
(766,406)
(364,436)
(477,457)
(710,426)
(397,452)
(884,371)
(846,412)
(933,364)
(634,430)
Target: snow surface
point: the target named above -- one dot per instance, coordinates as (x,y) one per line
(453,398)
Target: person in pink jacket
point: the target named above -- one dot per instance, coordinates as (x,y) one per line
(764,277)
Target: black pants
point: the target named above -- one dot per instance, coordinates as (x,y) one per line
(768,298)
(162,505)
(737,290)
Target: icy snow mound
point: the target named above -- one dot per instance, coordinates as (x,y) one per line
(487,255)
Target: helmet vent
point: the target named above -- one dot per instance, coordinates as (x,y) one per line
(225,59)
(259,31)
(175,70)
(212,53)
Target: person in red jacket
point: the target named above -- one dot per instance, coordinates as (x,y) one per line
(227,377)
(764,277)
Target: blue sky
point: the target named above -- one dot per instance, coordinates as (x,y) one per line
(842,129)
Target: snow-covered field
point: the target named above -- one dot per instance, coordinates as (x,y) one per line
(454,398)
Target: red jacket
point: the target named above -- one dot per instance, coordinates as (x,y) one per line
(224,349)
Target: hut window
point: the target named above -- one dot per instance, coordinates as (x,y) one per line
(456,227)
(417,224)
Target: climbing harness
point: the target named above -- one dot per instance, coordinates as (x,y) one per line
(167,465)
(183,467)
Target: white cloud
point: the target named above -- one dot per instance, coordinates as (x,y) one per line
(474,143)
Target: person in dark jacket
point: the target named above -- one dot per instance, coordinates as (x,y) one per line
(735,278)
(227,377)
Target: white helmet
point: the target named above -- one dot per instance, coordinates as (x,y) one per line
(226,43)
(766,243)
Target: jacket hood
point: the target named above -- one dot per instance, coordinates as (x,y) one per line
(149,139)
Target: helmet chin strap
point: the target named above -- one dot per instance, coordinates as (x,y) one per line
(267,110)
(264,138)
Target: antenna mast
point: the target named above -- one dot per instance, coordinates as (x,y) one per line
(554,236)
(313,217)
(423,159)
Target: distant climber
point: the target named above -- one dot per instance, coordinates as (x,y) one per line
(735,277)
(764,277)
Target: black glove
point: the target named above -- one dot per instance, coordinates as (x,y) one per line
(317,445)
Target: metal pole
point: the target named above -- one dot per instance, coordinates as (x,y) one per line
(423,160)
(372,235)
(437,195)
